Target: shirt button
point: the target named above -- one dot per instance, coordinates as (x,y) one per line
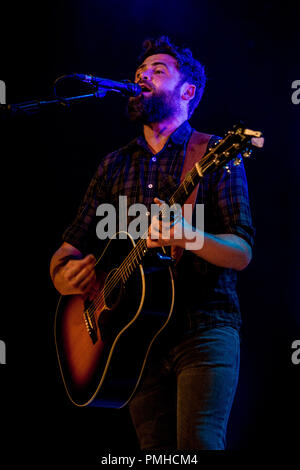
(150,186)
(154,159)
(147,213)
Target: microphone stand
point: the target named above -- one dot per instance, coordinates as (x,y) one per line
(33,107)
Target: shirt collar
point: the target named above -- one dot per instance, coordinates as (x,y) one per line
(182,132)
(178,137)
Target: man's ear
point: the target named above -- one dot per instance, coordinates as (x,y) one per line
(188,91)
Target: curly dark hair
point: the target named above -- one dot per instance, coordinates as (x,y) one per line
(190,69)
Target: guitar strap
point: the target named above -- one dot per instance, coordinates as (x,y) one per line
(196,148)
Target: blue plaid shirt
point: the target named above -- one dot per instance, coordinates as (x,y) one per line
(206,293)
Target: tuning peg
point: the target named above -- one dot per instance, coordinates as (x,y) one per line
(237,161)
(247,153)
(227,169)
(214,145)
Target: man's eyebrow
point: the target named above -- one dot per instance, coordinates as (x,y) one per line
(154,63)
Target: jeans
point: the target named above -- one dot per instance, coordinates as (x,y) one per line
(185,396)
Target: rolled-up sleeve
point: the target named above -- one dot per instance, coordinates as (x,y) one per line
(233,211)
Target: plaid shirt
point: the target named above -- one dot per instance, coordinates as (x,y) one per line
(206,293)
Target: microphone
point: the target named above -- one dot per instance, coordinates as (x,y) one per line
(127,88)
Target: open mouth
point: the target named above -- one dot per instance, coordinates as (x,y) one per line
(146,89)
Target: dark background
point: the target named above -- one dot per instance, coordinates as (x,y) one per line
(250,52)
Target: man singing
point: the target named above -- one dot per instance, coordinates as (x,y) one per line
(185,396)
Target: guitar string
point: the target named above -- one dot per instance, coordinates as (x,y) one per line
(128,261)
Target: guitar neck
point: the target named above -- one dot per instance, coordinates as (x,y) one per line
(186,187)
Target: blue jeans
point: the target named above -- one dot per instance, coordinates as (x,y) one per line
(186,394)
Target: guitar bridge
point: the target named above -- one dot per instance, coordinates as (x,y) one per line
(90,324)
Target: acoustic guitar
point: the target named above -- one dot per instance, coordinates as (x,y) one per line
(103,338)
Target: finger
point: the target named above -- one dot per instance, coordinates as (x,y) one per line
(82,275)
(152,244)
(89,259)
(74,267)
(162,230)
(154,232)
(87,282)
(159,223)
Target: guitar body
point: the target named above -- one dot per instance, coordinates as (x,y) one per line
(103,339)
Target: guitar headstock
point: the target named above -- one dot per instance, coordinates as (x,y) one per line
(238,142)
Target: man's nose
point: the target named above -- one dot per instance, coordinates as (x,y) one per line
(145,75)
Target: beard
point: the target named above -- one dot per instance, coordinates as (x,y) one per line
(154,108)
